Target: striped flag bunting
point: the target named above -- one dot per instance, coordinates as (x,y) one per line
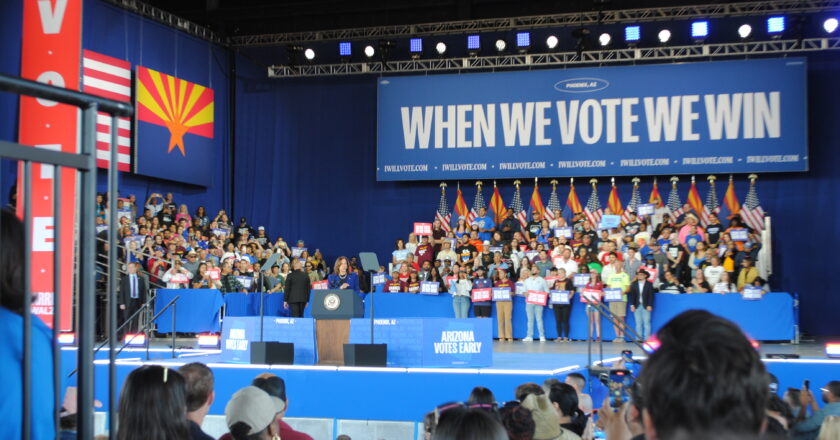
(110,78)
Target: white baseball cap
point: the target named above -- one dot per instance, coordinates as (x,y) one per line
(254,407)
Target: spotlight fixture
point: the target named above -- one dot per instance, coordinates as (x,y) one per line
(744,31)
(775,26)
(385,47)
(551,42)
(699,31)
(345,49)
(440,48)
(664,36)
(632,34)
(309,54)
(523,41)
(501,45)
(473,44)
(605,39)
(416,47)
(369,51)
(830,25)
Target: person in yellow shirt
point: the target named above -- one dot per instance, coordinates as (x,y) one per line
(619,280)
(747,275)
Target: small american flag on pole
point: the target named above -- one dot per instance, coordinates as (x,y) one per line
(517,206)
(593,210)
(674,204)
(553,202)
(751,212)
(634,201)
(109,78)
(443,215)
(712,206)
(478,203)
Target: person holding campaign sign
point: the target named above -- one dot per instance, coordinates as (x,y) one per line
(343,278)
(641,302)
(461,295)
(502,296)
(395,284)
(592,293)
(563,311)
(413,283)
(177,277)
(537,297)
(481,304)
(619,280)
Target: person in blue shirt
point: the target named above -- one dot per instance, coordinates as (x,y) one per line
(486,225)
(482,308)
(343,278)
(809,428)
(11,352)
(692,239)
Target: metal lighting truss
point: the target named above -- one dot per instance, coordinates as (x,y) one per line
(171,20)
(519,61)
(542,21)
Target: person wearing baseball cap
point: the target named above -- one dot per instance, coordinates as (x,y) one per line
(253,412)
(481,308)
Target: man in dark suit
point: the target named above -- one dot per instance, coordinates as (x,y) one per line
(133,292)
(296,293)
(640,297)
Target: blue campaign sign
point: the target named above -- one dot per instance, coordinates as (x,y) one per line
(691,118)
(239,332)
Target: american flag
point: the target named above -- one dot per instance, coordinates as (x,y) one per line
(633,205)
(712,206)
(478,203)
(109,78)
(518,208)
(553,203)
(751,211)
(443,215)
(593,210)
(674,204)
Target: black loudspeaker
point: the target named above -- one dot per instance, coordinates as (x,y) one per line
(365,355)
(272,353)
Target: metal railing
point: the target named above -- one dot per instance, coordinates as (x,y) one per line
(85,164)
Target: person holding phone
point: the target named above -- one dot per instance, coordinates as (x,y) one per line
(807,428)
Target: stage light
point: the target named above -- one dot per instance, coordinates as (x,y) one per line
(415,47)
(309,54)
(652,344)
(830,25)
(66,338)
(135,339)
(699,30)
(551,42)
(440,48)
(369,51)
(345,49)
(501,45)
(473,42)
(632,34)
(664,36)
(523,40)
(744,31)
(832,349)
(605,39)
(776,25)
(208,340)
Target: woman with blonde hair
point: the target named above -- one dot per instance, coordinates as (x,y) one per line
(830,428)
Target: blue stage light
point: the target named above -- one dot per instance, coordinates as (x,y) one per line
(523,39)
(473,42)
(632,33)
(700,29)
(416,45)
(775,25)
(345,49)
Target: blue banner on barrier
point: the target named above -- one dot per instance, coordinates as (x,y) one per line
(239,332)
(721,117)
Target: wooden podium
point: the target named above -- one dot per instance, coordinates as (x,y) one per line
(332,310)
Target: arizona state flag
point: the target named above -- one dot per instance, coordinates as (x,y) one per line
(655,198)
(174,128)
(497,205)
(460,206)
(694,199)
(614,202)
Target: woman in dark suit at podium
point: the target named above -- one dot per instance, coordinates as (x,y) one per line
(343,278)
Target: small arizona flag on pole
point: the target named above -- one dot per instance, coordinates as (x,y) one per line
(497,205)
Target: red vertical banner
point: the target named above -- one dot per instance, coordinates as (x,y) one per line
(51,54)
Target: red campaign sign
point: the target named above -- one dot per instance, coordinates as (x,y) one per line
(214,274)
(536,297)
(590,295)
(422,229)
(320,285)
(51,53)
(481,295)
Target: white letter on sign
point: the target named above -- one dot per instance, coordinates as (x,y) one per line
(43,234)
(51,20)
(52,78)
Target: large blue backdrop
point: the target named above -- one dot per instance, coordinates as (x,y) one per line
(305,156)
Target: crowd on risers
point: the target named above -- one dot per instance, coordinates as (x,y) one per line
(647,254)
(725,393)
